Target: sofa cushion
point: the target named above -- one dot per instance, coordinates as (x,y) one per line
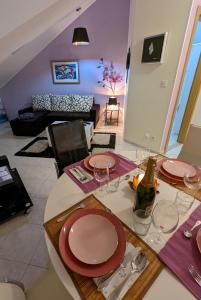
(81,103)
(36,116)
(26,116)
(41,102)
(60,103)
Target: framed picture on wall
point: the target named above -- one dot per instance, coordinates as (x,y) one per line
(154,48)
(65,72)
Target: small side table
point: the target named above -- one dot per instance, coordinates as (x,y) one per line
(110,111)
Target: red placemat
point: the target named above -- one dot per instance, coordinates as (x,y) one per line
(85,285)
(124,166)
(179,252)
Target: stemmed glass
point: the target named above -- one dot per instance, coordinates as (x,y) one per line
(101,175)
(141,154)
(193,182)
(165,218)
(149,140)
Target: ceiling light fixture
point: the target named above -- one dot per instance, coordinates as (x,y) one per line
(80,36)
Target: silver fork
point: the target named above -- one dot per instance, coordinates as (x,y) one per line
(82,176)
(194,273)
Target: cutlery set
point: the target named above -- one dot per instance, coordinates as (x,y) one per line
(118,279)
(62,218)
(195,274)
(85,177)
(79,173)
(188,232)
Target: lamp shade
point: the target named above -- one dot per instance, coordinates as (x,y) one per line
(80,37)
(112,100)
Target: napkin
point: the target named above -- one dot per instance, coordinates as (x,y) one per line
(111,287)
(78,172)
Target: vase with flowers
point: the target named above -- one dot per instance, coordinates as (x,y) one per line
(110,78)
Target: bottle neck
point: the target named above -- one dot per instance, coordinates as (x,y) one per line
(148,178)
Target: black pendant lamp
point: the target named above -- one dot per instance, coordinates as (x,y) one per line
(80,36)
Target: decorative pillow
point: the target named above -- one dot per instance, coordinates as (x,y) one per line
(81,103)
(41,102)
(61,103)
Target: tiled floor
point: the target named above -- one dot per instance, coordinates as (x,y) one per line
(23,253)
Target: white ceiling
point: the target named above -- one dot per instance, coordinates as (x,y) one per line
(14,13)
(35,23)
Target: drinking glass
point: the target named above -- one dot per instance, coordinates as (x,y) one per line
(165,218)
(183,202)
(141,222)
(113,185)
(101,175)
(193,182)
(141,154)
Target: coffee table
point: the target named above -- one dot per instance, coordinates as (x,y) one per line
(88,126)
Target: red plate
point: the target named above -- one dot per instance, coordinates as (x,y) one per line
(170,178)
(198,239)
(180,164)
(87,165)
(86,269)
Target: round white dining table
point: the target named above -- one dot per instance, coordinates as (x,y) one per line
(66,193)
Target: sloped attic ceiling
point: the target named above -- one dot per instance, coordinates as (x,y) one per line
(27,27)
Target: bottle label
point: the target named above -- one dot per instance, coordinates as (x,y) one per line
(148,210)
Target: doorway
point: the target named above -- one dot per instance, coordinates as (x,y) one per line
(187,96)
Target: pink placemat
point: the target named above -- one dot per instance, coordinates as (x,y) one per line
(124,166)
(179,252)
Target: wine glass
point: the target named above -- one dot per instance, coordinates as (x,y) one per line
(193,182)
(101,175)
(141,154)
(165,218)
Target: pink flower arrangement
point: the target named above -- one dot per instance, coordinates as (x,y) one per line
(110,77)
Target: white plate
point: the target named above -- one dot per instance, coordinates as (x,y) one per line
(102,161)
(178,168)
(93,239)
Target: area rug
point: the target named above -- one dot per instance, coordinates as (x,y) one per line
(39,146)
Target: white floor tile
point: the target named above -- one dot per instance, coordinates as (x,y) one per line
(31,275)
(41,257)
(48,287)
(12,270)
(21,243)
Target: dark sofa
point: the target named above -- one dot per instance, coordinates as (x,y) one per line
(36,121)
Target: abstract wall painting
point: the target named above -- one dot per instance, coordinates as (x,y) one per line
(65,72)
(154,48)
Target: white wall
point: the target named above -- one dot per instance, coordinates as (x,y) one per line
(148,103)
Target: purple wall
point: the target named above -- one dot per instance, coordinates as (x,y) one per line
(107,25)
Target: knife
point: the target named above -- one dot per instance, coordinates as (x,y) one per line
(84,173)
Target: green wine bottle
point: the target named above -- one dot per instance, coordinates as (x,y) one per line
(146,192)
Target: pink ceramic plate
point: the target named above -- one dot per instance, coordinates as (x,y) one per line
(170,178)
(178,168)
(198,239)
(90,168)
(93,239)
(87,269)
(102,161)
